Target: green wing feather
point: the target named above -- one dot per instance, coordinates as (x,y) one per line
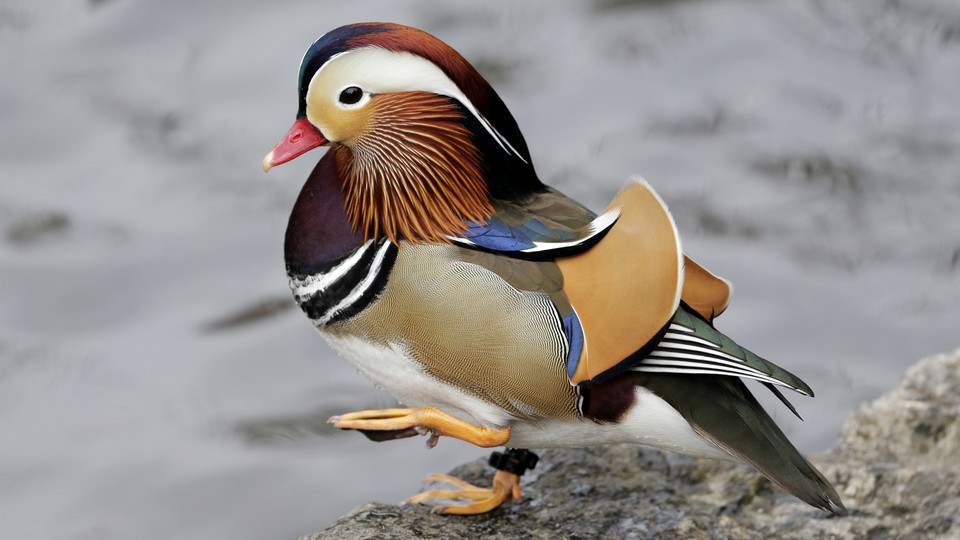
(693,346)
(722,410)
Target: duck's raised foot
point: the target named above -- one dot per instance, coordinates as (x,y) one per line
(426,421)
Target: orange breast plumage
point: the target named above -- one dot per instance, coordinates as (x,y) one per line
(416,174)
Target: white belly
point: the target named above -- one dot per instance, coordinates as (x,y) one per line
(650,422)
(392,369)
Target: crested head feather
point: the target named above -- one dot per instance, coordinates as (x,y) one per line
(399,38)
(426,146)
(416,175)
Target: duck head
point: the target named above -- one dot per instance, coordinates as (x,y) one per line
(422,143)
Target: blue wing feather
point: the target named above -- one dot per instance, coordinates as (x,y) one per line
(496,235)
(532,239)
(574,333)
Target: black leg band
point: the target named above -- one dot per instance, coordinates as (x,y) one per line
(514,460)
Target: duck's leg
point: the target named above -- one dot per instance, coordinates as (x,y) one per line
(505,486)
(426,420)
(400,423)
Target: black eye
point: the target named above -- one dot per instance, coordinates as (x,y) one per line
(351,95)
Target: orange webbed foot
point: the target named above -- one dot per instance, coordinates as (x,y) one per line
(427,421)
(505,486)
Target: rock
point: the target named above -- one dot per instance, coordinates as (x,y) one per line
(896,465)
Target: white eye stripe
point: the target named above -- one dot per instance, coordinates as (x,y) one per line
(380,71)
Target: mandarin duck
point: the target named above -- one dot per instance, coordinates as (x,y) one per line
(501,312)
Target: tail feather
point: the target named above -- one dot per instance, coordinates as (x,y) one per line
(723,411)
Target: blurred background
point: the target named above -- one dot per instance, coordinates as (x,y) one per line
(155,379)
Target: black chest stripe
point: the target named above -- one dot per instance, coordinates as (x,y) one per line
(348,287)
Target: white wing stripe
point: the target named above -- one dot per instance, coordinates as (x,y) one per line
(596,226)
(659,353)
(694,362)
(712,353)
(696,371)
(675,326)
(690,339)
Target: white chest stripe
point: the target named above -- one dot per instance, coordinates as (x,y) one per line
(319,282)
(361,287)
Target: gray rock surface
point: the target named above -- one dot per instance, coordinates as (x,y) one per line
(896,465)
